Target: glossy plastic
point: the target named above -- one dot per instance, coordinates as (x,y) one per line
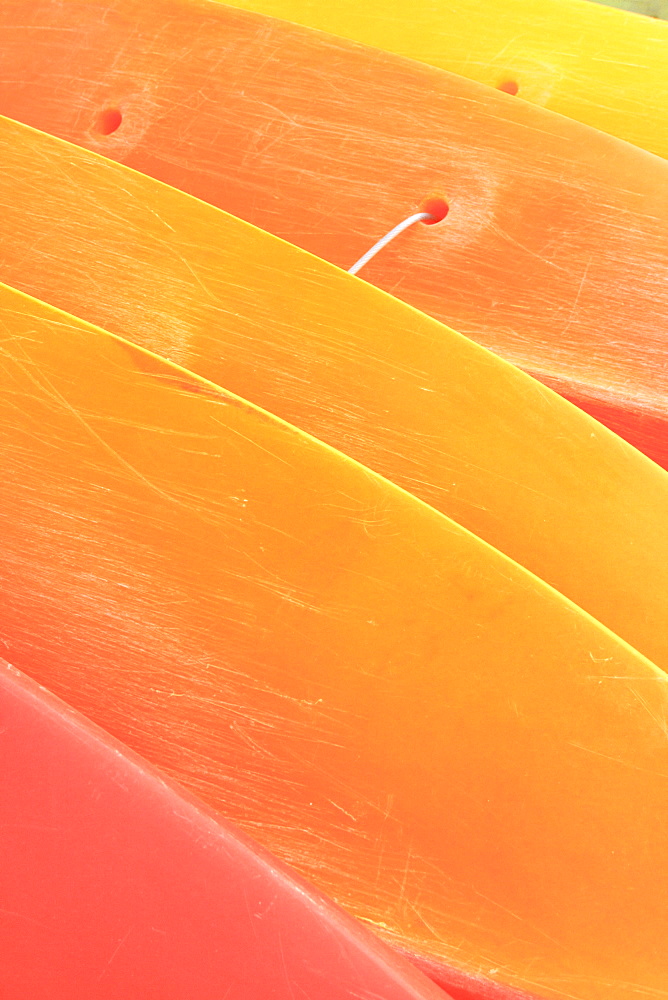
(436,738)
(433,412)
(554,252)
(115,884)
(603,67)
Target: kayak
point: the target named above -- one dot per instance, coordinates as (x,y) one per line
(603,67)
(431,411)
(554,249)
(116,883)
(433,736)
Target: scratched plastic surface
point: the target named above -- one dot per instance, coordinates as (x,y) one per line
(114,884)
(434,737)
(436,414)
(603,67)
(554,253)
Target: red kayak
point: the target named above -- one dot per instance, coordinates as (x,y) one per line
(114,884)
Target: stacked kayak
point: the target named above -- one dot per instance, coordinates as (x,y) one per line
(333,604)
(555,261)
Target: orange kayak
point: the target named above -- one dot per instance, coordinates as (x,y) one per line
(116,884)
(436,414)
(554,252)
(436,738)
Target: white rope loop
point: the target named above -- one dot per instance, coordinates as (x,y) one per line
(377,247)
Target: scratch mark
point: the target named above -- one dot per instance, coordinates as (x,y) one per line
(115,952)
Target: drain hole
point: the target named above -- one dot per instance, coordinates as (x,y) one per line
(108,121)
(509,87)
(437,207)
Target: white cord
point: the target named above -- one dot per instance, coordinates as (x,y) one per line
(377,247)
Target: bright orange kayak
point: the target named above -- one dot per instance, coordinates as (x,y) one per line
(436,738)
(116,884)
(603,67)
(431,411)
(554,252)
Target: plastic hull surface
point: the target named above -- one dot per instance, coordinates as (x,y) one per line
(115,884)
(435,737)
(554,252)
(432,412)
(603,67)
